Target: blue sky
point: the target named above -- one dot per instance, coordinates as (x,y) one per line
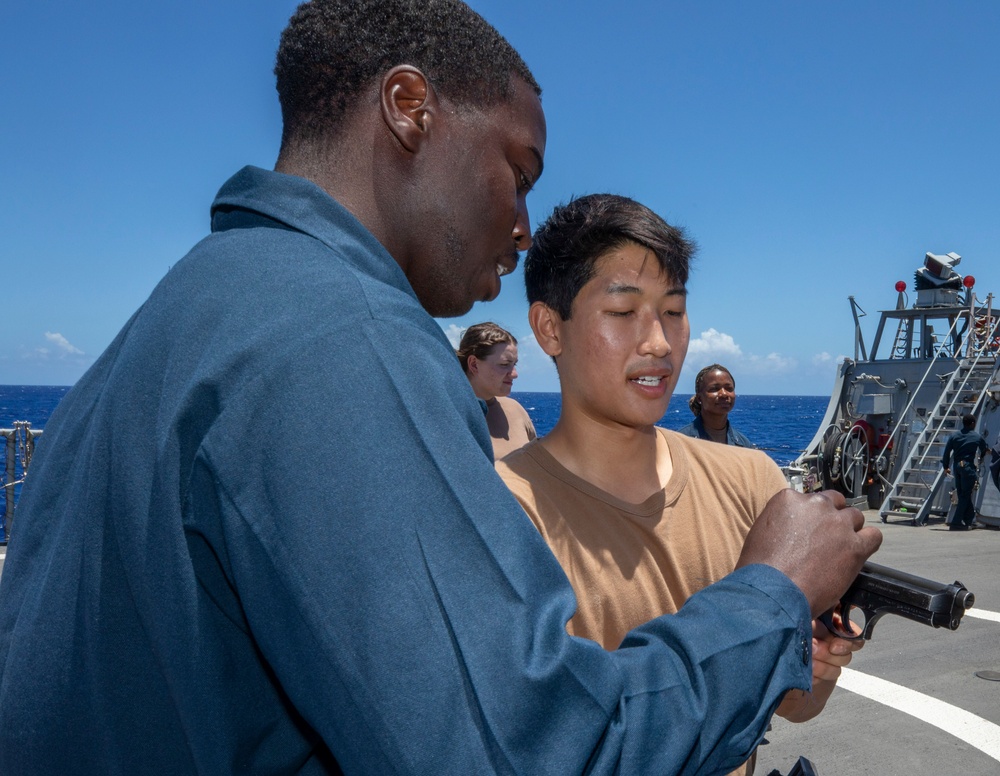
(813,151)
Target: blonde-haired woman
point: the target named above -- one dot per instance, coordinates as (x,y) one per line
(488,355)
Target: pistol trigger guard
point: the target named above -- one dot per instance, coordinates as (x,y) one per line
(844,609)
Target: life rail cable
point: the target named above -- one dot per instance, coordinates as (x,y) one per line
(19,445)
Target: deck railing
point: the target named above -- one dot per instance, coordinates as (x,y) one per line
(18,444)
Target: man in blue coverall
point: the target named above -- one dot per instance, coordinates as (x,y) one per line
(263,533)
(963,446)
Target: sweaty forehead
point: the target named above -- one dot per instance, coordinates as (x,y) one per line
(632,268)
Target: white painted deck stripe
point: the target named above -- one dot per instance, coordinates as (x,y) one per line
(983,614)
(971,729)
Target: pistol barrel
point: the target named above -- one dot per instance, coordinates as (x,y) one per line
(880,590)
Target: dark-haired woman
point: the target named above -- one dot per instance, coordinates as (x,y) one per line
(713,400)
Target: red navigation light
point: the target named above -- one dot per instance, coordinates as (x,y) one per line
(901,286)
(968,281)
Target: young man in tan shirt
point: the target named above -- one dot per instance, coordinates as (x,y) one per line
(640,518)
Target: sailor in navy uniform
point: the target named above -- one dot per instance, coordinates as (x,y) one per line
(963,446)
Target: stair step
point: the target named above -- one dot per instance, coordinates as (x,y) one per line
(920,475)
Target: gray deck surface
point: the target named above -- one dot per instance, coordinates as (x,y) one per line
(856,735)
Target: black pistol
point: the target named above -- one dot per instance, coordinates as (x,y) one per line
(880,590)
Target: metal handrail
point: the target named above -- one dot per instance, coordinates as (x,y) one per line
(973,356)
(967,345)
(913,398)
(19,444)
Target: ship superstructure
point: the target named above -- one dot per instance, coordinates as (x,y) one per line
(892,409)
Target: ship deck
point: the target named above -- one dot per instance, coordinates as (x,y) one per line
(911,704)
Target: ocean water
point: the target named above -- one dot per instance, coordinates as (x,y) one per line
(31,403)
(780,425)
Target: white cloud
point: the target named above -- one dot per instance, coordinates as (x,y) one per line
(454,334)
(62,343)
(770,365)
(773,373)
(535,368)
(713,343)
(824,359)
(779,363)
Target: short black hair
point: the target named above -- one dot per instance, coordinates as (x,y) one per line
(566,247)
(334,49)
(968,420)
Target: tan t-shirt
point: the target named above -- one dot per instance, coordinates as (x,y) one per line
(629,563)
(510,426)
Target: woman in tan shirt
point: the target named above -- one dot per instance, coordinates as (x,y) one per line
(488,355)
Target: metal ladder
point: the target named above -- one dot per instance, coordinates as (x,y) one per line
(900,348)
(921,475)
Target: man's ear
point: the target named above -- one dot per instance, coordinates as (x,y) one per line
(547,327)
(408,104)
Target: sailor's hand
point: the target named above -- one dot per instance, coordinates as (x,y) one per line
(947,471)
(830,654)
(815,540)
